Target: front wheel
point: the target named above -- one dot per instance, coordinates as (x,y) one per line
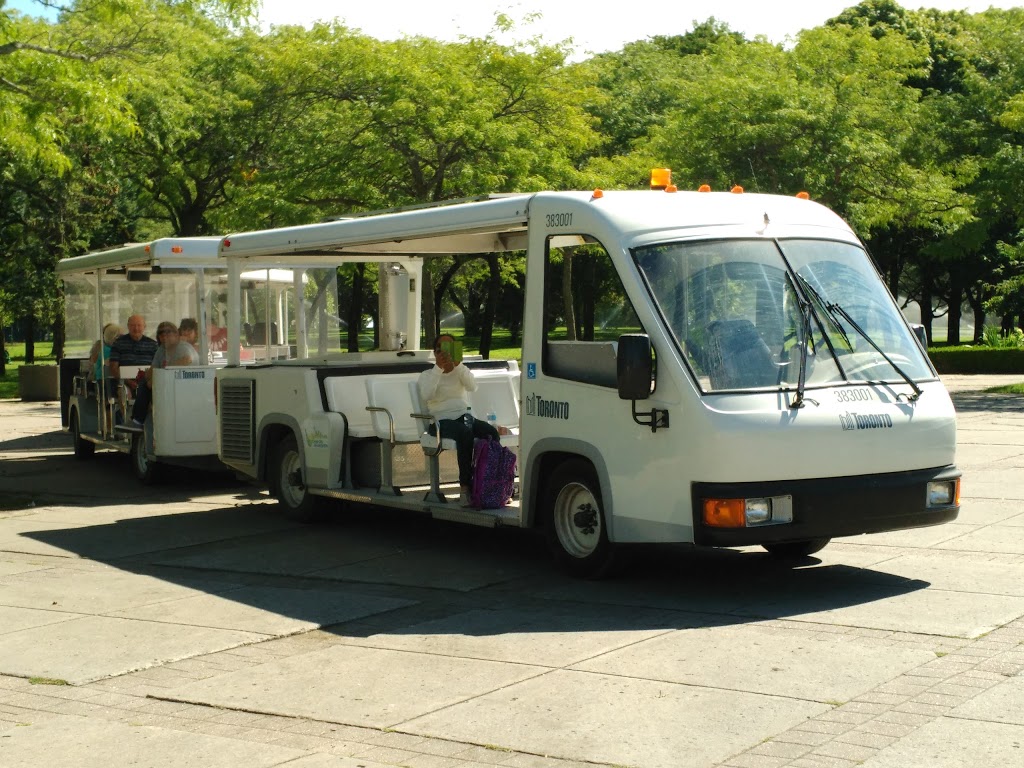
(574,523)
(144,468)
(83,448)
(792,550)
(288,484)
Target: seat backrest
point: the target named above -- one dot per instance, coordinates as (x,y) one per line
(495,391)
(347,395)
(738,357)
(393,393)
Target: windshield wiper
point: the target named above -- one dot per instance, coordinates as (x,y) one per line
(805,338)
(836,311)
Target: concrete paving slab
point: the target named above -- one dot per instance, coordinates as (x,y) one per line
(292,552)
(87,743)
(100,591)
(17,619)
(959,571)
(975,511)
(992,483)
(355,685)
(331,761)
(991,538)
(857,551)
(734,586)
(1001,704)
(112,540)
(925,611)
(82,650)
(805,664)
(549,636)
(920,538)
(619,720)
(986,456)
(11,567)
(953,743)
(86,514)
(267,610)
(437,568)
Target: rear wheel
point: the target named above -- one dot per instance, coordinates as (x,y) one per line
(792,550)
(83,448)
(574,523)
(289,486)
(144,468)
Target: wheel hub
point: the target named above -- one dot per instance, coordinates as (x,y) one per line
(585,518)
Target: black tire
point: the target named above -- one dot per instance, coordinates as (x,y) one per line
(83,448)
(574,522)
(144,468)
(288,485)
(793,550)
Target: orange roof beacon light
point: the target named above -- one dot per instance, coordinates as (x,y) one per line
(737,190)
(661,178)
(803,195)
(704,188)
(598,194)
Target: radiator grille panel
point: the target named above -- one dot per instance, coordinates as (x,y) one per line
(237,422)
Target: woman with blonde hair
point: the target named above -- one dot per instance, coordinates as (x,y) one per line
(96,364)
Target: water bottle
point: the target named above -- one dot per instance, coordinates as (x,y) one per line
(492,419)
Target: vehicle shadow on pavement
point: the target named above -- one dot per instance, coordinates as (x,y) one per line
(969,402)
(414,575)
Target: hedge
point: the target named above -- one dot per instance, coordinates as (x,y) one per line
(976,360)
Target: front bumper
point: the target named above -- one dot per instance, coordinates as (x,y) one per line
(830,507)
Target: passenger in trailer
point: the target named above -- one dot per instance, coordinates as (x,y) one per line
(132,348)
(188,330)
(172,352)
(98,367)
(444,390)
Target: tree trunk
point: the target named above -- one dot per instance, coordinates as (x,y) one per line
(493,292)
(58,337)
(926,306)
(3,350)
(354,316)
(430,326)
(567,297)
(30,339)
(956,301)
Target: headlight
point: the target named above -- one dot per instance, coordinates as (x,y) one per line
(944,493)
(748,513)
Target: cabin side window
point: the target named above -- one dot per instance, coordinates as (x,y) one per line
(586,309)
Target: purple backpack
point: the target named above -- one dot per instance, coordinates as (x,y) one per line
(494,474)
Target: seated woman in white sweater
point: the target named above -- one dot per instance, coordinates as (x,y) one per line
(443,390)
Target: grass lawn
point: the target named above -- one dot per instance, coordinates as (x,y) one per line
(1008,389)
(9,381)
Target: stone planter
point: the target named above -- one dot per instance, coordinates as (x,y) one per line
(38,382)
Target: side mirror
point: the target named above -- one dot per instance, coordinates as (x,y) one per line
(634,369)
(633,366)
(922,337)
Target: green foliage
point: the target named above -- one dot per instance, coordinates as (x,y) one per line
(993,338)
(141,118)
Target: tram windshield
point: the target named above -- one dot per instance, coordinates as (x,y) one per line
(762,314)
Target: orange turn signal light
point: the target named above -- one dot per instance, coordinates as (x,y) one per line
(725,513)
(598,193)
(176,249)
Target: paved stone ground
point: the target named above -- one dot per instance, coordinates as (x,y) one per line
(190,624)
